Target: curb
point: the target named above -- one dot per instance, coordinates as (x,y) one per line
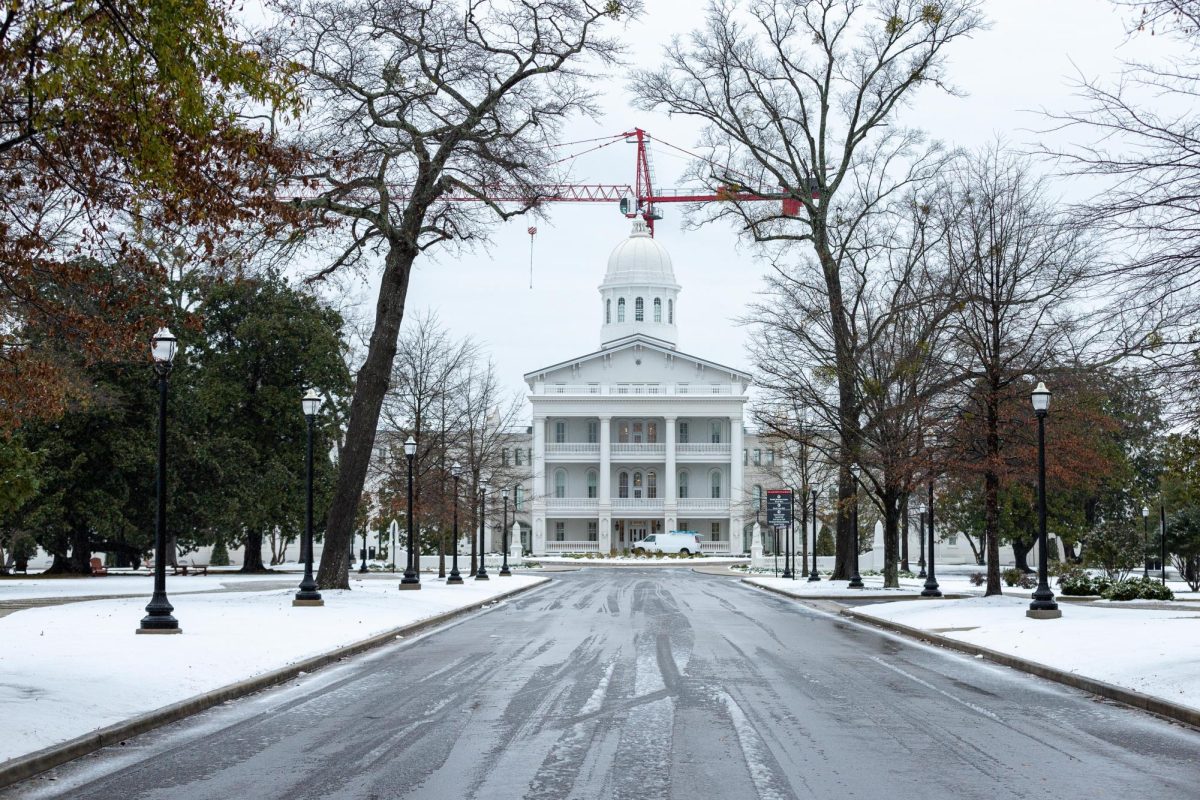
(1138,700)
(881,598)
(23,767)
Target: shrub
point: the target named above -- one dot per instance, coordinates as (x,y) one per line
(220,555)
(825,545)
(977,579)
(1113,546)
(1183,542)
(1012,576)
(1138,589)
(1075,580)
(906,573)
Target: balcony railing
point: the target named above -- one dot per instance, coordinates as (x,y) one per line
(637,504)
(693,505)
(702,449)
(572,504)
(572,547)
(622,389)
(573,449)
(643,450)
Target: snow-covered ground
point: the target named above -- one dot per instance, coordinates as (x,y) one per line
(136,584)
(1148,650)
(66,670)
(627,560)
(826,588)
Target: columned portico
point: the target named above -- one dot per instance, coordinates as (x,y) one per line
(539,484)
(604,507)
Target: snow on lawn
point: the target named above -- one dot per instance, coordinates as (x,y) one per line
(138,584)
(802,588)
(67,670)
(1148,650)
(628,560)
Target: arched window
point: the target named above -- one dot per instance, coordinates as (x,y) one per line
(591,484)
(658,309)
(651,485)
(623,485)
(683,484)
(639,310)
(758,497)
(715,481)
(671,312)
(637,486)
(621,309)
(607,311)
(560,483)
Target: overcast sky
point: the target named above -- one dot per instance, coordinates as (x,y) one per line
(1024,62)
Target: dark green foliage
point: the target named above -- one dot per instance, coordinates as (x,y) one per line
(220,554)
(825,546)
(1138,589)
(1114,546)
(1077,581)
(1017,578)
(1183,543)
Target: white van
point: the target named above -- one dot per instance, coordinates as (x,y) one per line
(685,542)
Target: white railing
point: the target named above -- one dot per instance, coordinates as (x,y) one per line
(645,450)
(635,389)
(692,505)
(703,388)
(702,449)
(572,547)
(572,504)
(715,548)
(572,449)
(637,504)
(638,388)
(566,388)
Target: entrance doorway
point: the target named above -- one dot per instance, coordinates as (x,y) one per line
(636,532)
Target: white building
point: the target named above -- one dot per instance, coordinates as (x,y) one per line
(637,437)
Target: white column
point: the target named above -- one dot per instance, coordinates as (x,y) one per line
(737,492)
(539,485)
(604,490)
(670,502)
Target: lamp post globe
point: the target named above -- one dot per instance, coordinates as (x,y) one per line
(1042,605)
(307,594)
(504,570)
(158,617)
(855,578)
(481,573)
(1145,543)
(412,569)
(455,578)
(813,575)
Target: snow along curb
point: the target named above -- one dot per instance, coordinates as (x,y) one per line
(883,598)
(22,767)
(1145,702)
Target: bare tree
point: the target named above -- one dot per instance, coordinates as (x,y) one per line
(410,103)
(799,100)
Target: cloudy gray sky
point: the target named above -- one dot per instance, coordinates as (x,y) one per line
(1024,62)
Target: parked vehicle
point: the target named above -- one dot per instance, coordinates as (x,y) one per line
(683,542)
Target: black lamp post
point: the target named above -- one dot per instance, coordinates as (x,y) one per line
(1043,605)
(931,584)
(412,569)
(855,578)
(158,617)
(481,573)
(308,594)
(813,575)
(1145,543)
(504,571)
(363,569)
(455,577)
(921,539)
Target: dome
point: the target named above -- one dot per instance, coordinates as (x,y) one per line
(639,260)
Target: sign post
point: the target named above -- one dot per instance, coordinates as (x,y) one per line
(779,515)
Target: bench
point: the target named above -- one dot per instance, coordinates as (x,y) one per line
(98,568)
(195,569)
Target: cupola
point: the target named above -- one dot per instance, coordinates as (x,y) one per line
(639,293)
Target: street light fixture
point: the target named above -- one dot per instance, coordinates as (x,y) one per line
(1043,605)
(1145,543)
(412,570)
(481,573)
(455,577)
(855,578)
(813,575)
(931,584)
(308,595)
(504,571)
(158,617)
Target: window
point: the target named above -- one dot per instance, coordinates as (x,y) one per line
(715,429)
(560,531)
(504,457)
(658,309)
(637,486)
(593,530)
(716,531)
(652,432)
(623,485)
(623,432)
(637,433)
(715,480)
(560,432)
(652,485)
(517,453)
(757,456)
(683,484)
(593,431)
(607,311)
(671,312)
(639,310)
(519,499)
(683,433)
(758,497)
(621,310)
(591,483)
(770,458)
(560,483)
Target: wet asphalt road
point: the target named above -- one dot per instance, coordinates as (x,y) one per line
(650,684)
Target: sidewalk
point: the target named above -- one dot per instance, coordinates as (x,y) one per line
(68,671)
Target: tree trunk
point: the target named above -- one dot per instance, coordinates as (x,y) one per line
(904,534)
(172,552)
(252,557)
(891,541)
(1021,549)
(370,386)
(59,566)
(81,553)
(991,497)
